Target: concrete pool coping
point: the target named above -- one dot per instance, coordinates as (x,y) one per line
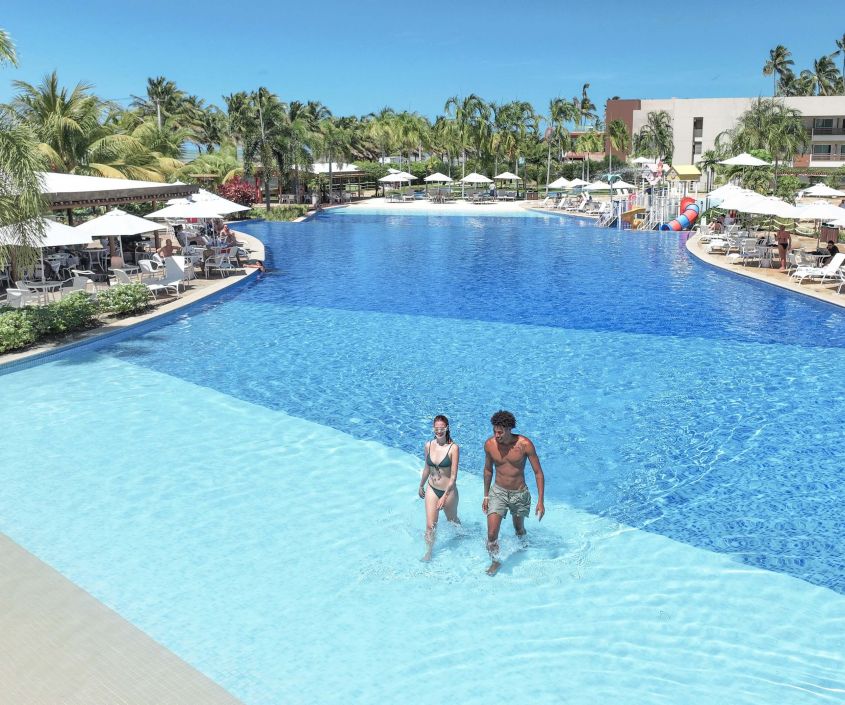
(820,292)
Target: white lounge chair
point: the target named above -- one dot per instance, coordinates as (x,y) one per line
(150,269)
(832,270)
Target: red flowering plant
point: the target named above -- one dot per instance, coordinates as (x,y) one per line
(239,191)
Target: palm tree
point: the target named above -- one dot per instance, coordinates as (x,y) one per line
(618,138)
(472,118)
(590,141)
(779,63)
(586,109)
(163,99)
(20,189)
(656,137)
(840,49)
(824,78)
(257,119)
(7,49)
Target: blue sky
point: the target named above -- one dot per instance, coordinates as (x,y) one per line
(357,57)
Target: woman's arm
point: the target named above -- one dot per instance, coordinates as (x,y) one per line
(456,453)
(425,470)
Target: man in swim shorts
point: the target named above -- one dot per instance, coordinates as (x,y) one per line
(507,452)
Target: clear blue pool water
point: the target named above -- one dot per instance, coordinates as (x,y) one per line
(240,483)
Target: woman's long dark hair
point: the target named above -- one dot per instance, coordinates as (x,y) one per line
(442,418)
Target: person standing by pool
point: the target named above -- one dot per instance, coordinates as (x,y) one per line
(440,474)
(784,240)
(506,452)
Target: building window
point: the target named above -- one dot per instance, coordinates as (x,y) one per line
(696,151)
(821,149)
(697,128)
(822,122)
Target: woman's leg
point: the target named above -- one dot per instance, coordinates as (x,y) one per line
(450,509)
(431,513)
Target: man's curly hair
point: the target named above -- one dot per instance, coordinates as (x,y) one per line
(505,419)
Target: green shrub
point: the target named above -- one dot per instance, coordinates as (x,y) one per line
(74,312)
(124,299)
(290,212)
(16,330)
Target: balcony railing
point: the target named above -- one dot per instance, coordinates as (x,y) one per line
(826,131)
(827,157)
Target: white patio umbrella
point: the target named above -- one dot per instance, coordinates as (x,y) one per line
(397,178)
(769,205)
(598,186)
(622,184)
(641,160)
(821,190)
(117,223)
(507,176)
(224,204)
(578,182)
(55,235)
(744,159)
(192,209)
(559,183)
(438,178)
(476,178)
(821,211)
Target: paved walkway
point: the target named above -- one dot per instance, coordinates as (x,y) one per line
(823,292)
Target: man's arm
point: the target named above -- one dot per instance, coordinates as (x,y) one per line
(488,476)
(531,452)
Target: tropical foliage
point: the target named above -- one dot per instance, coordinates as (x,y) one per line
(823,78)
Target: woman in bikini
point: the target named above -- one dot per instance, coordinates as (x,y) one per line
(437,484)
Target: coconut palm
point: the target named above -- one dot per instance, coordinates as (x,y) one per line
(840,49)
(163,99)
(824,79)
(779,63)
(618,138)
(223,165)
(585,107)
(656,137)
(20,189)
(590,141)
(7,49)
(257,119)
(472,119)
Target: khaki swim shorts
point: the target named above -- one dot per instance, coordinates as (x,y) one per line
(500,500)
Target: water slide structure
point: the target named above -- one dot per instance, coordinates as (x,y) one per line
(690,208)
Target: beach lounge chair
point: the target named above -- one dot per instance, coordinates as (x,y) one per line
(150,269)
(832,270)
(220,263)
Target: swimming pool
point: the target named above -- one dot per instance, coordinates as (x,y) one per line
(240,483)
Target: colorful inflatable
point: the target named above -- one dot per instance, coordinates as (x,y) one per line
(689,212)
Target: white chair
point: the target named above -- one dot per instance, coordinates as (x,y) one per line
(221,263)
(832,270)
(18,298)
(79,284)
(150,269)
(121,277)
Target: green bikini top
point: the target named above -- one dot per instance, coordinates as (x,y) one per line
(445,463)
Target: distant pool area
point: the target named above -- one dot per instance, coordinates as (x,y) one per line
(240,483)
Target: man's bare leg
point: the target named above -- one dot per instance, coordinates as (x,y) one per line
(519,528)
(494,521)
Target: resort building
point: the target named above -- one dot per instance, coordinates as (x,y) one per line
(696,122)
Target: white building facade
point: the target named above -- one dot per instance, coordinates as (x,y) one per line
(696,123)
